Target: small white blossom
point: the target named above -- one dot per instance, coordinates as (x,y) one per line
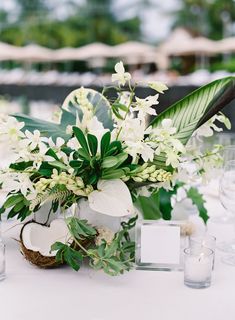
(34,140)
(10,130)
(144,105)
(120,76)
(158,86)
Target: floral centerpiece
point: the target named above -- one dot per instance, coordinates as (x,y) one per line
(105,153)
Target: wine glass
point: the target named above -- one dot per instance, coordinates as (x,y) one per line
(227,199)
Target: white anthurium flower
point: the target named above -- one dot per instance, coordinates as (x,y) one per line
(10,130)
(120,76)
(157,86)
(34,140)
(112,198)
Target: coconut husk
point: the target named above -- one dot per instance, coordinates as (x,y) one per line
(37,259)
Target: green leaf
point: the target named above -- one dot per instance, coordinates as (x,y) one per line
(120,106)
(109,162)
(198,200)
(47,129)
(84,154)
(58,164)
(13,200)
(105,141)
(21,165)
(67,254)
(165,202)
(149,206)
(197,107)
(109,174)
(80,229)
(93,143)
(81,138)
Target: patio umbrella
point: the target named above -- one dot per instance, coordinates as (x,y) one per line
(95,50)
(133,52)
(66,54)
(179,38)
(34,53)
(196,46)
(226,45)
(8,52)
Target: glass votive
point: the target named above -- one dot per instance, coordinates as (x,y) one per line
(207,241)
(198,267)
(2,261)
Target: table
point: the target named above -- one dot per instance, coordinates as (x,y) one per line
(62,294)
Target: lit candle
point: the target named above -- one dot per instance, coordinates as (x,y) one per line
(198,268)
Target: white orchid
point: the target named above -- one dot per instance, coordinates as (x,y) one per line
(144,105)
(10,130)
(73,144)
(34,140)
(56,146)
(40,156)
(208,128)
(157,86)
(162,140)
(120,76)
(15,182)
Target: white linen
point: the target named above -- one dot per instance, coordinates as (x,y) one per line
(30,293)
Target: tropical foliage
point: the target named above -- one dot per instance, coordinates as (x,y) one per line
(105,151)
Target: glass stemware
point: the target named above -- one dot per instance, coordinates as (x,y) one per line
(227,198)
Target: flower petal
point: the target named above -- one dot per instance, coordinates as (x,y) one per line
(112,198)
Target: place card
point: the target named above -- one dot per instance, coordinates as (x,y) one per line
(158,245)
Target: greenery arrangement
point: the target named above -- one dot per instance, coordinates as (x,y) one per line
(105,151)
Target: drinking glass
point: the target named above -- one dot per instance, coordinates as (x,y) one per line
(2,261)
(203,241)
(228,153)
(227,198)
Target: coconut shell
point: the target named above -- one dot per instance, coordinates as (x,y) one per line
(35,257)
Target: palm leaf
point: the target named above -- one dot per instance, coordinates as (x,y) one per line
(47,129)
(101,106)
(69,111)
(196,108)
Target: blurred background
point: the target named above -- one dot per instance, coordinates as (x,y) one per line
(50,47)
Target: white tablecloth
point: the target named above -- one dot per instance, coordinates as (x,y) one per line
(30,293)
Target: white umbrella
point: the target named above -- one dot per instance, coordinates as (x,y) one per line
(95,50)
(196,46)
(226,45)
(178,38)
(35,53)
(133,52)
(8,52)
(66,54)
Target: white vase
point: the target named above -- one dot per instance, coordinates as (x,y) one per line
(42,215)
(97,219)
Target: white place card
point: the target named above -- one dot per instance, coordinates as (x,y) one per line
(159,245)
